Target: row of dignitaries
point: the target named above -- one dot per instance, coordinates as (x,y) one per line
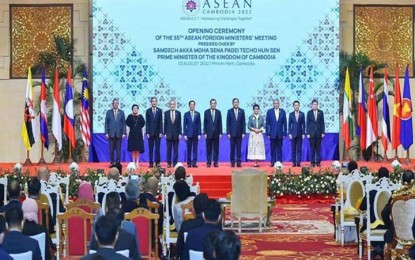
(170,124)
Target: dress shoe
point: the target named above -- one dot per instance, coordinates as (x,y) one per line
(232,165)
(318,164)
(208,164)
(294,165)
(239,165)
(256,165)
(150,165)
(313,165)
(169,165)
(271,165)
(189,165)
(194,165)
(111,165)
(216,164)
(299,164)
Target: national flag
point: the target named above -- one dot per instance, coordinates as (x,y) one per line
(361,112)
(386,136)
(29,134)
(397,111)
(406,116)
(85,129)
(69,122)
(347,115)
(56,114)
(371,122)
(43,112)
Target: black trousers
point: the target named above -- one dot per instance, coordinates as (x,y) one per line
(276,150)
(154,144)
(296,145)
(212,143)
(115,146)
(175,145)
(315,146)
(192,143)
(236,143)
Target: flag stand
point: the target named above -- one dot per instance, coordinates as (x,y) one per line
(373,153)
(407,160)
(42,159)
(70,160)
(83,158)
(57,158)
(385,157)
(28,162)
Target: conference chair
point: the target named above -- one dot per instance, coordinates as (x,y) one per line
(86,205)
(22,256)
(196,255)
(188,211)
(41,240)
(43,213)
(4,181)
(125,252)
(110,186)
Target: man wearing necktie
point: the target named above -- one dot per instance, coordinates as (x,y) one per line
(212,127)
(173,132)
(235,128)
(192,128)
(154,130)
(315,132)
(296,132)
(276,130)
(115,131)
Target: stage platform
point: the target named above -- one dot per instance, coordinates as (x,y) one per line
(216,182)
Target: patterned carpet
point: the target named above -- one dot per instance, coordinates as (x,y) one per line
(298,231)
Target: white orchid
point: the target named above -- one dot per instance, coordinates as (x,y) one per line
(74,167)
(18,167)
(336,165)
(278,165)
(131,167)
(396,165)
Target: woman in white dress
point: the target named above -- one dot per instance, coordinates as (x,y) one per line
(256,146)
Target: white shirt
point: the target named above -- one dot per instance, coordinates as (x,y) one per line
(277,113)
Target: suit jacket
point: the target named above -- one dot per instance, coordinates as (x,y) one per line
(125,241)
(107,254)
(15,243)
(4,255)
(212,128)
(154,124)
(192,128)
(115,127)
(315,128)
(172,130)
(235,127)
(186,226)
(31,228)
(274,128)
(295,128)
(196,237)
(10,205)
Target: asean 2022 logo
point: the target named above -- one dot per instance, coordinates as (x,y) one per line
(191,7)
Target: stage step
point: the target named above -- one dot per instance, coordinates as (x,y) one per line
(216,186)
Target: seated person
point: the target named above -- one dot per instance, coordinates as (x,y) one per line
(179,174)
(15,242)
(113,174)
(43,175)
(222,245)
(14,191)
(196,237)
(183,196)
(113,201)
(150,193)
(85,191)
(351,166)
(106,233)
(3,254)
(125,240)
(31,226)
(132,191)
(199,205)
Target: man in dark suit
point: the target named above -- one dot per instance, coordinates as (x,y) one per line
(106,233)
(195,237)
(212,126)
(315,132)
(15,242)
(235,128)
(276,129)
(154,130)
(199,204)
(173,132)
(115,131)
(13,190)
(296,132)
(192,128)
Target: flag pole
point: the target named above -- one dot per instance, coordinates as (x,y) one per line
(407,160)
(28,161)
(42,159)
(57,158)
(83,158)
(70,160)
(385,156)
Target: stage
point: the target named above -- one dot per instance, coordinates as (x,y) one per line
(216,182)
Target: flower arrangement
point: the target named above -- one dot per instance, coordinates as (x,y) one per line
(131,167)
(278,166)
(396,165)
(336,165)
(74,168)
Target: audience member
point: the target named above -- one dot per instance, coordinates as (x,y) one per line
(43,174)
(222,245)
(195,237)
(125,240)
(106,233)
(150,193)
(199,205)
(180,173)
(85,191)
(183,196)
(13,190)
(31,226)
(113,201)
(15,242)
(3,254)
(132,191)
(114,174)
(351,166)
(34,187)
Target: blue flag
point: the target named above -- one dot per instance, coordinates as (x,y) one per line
(406,116)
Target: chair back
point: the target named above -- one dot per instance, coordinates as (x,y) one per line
(41,240)
(74,231)
(188,211)
(101,180)
(152,206)
(143,218)
(196,255)
(4,181)
(249,192)
(22,256)
(43,213)
(403,215)
(86,205)
(48,190)
(110,186)
(352,189)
